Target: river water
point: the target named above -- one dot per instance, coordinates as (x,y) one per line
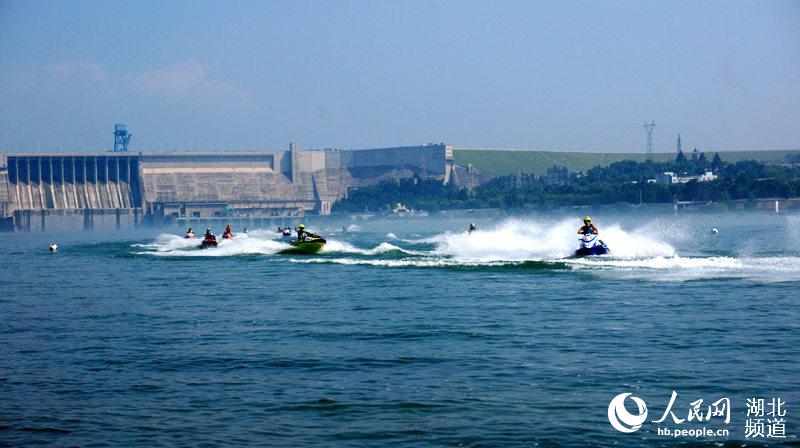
(400,333)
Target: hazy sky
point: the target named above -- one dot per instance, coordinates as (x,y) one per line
(527,74)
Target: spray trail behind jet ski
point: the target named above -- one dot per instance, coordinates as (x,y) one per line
(242,244)
(517,240)
(639,254)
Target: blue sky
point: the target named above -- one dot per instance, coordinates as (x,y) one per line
(355,74)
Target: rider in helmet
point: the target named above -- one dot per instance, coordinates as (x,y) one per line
(588,227)
(189,233)
(301,232)
(472,227)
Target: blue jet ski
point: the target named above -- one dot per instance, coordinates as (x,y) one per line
(591,245)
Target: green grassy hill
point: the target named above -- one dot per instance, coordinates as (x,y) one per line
(500,162)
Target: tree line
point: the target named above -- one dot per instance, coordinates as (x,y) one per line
(625,181)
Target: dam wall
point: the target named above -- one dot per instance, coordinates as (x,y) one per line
(430,160)
(6,220)
(34,187)
(120,190)
(4,198)
(66,220)
(62,182)
(208,185)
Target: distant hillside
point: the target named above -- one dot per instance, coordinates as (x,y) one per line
(501,162)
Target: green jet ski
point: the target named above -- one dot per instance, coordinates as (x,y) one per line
(310,245)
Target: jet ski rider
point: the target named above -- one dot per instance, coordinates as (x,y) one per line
(472,227)
(301,233)
(588,228)
(209,236)
(189,233)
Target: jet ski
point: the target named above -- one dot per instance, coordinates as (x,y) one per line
(591,245)
(227,236)
(189,235)
(310,245)
(209,241)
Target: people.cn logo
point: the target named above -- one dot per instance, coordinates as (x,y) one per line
(621,419)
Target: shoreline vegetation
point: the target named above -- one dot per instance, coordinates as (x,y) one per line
(502,162)
(741,184)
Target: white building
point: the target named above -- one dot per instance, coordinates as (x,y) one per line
(669,178)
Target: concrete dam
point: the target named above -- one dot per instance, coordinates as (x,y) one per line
(118,190)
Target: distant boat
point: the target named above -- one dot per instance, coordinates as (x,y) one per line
(401,211)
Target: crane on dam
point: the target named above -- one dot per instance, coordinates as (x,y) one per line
(121,138)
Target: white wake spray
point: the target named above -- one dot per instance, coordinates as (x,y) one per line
(641,253)
(335,246)
(253,243)
(672,269)
(242,244)
(521,240)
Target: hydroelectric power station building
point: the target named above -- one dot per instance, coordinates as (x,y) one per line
(124,190)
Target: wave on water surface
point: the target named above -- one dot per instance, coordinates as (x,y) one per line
(765,269)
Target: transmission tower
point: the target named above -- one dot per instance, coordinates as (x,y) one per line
(121,138)
(649,128)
